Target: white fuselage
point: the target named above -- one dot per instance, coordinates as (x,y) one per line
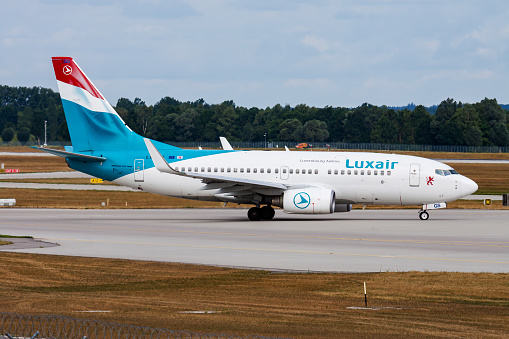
(356,177)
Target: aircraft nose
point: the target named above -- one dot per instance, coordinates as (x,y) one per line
(468,186)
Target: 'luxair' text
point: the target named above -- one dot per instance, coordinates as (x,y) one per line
(371,164)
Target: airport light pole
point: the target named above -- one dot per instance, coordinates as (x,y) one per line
(45,133)
(265,136)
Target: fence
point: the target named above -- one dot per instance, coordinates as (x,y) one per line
(319,145)
(350,146)
(59,327)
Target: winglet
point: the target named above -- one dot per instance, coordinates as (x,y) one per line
(225,144)
(159,162)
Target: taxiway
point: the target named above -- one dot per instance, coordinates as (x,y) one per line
(359,241)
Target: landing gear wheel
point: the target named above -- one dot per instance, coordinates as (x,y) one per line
(254,214)
(267,212)
(424,215)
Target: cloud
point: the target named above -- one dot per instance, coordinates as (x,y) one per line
(259,53)
(318,43)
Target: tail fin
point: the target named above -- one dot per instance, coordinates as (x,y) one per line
(93,124)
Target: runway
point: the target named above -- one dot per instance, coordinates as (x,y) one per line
(359,241)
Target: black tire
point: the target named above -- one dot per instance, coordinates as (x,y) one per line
(267,212)
(424,215)
(254,214)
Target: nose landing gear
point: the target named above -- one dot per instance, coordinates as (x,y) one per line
(423,215)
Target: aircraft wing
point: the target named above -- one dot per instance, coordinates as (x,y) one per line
(163,166)
(71,155)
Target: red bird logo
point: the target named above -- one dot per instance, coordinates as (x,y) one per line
(429,181)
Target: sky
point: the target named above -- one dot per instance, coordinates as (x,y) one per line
(260,53)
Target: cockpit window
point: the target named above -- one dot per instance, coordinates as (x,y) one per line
(445,172)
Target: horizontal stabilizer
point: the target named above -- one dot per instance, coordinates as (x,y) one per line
(71,155)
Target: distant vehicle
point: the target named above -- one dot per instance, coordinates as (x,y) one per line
(299,182)
(302,145)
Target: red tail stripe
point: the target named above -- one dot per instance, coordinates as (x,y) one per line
(66,70)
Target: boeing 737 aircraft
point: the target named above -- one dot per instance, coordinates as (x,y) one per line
(298,182)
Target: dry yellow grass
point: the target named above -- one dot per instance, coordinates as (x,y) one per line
(69,181)
(93,199)
(257,302)
(27,164)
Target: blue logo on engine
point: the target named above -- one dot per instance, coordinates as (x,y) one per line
(301,200)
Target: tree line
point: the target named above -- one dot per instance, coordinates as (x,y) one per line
(23,111)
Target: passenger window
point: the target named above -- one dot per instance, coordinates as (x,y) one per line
(276,170)
(388,172)
(242,170)
(369,172)
(228,170)
(203,169)
(310,171)
(261,170)
(342,172)
(316,171)
(329,171)
(209,169)
(176,169)
(215,169)
(222,169)
(303,171)
(291,170)
(355,172)
(196,169)
(297,171)
(248,170)
(235,170)
(375,172)
(381,172)
(284,170)
(268,170)
(255,170)
(349,172)
(362,172)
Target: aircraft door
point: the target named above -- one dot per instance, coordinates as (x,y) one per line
(284,172)
(415,174)
(139,166)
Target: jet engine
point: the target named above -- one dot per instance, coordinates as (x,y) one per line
(309,200)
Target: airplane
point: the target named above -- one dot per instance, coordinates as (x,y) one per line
(298,182)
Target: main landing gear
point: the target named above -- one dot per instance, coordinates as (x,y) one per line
(261,213)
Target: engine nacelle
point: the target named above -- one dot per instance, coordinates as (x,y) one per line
(309,200)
